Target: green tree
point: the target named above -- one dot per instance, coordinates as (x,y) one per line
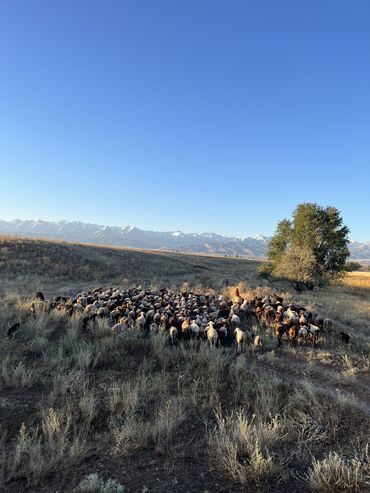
(312,248)
(299,265)
(280,241)
(353,266)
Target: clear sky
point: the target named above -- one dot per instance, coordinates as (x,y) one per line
(199,115)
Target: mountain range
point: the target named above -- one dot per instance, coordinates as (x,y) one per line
(130,236)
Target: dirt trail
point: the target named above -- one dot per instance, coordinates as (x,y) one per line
(295,371)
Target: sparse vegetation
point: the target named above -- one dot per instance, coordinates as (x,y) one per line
(104,413)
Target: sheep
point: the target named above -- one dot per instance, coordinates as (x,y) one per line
(317,320)
(85,322)
(327,324)
(293,333)
(244,306)
(189,314)
(291,313)
(38,307)
(90,309)
(119,328)
(280,329)
(173,334)
(78,307)
(82,300)
(154,328)
(314,331)
(345,337)
(235,321)
(115,314)
(237,298)
(222,334)
(302,334)
(268,314)
(103,312)
(212,334)
(12,329)
(185,327)
(39,296)
(279,317)
(194,329)
(257,342)
(240,337)
(140,321)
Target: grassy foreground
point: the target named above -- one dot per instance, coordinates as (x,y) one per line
(99,413)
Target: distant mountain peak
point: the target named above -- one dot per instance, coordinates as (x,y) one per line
(129,228)
(131,236)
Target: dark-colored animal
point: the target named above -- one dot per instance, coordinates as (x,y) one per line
(12,329)
(280,329)
(39,296)
(85,322)
(345,337)
(293,333)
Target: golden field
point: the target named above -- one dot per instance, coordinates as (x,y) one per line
(358,280)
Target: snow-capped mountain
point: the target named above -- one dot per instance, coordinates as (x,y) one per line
(130,236)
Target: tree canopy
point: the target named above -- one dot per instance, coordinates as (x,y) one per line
(311,248)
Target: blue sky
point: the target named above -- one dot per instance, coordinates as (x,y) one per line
(199,115)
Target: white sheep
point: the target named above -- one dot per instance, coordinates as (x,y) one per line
(314,331)
(241,338)
(173,334)
(140,321)
(212,335)
(78,307)
(303,331)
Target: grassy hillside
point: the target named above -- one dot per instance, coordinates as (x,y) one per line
(26,262)
(96,412)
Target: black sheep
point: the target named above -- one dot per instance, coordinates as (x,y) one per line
(12,329)
(345,337)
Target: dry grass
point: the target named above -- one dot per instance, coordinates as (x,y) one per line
(185,418)
(243,448)
(336,473)
(59,266)
(358,282)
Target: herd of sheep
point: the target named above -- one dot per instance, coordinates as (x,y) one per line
(186,315)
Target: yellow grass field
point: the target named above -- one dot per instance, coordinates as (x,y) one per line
(358,280)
